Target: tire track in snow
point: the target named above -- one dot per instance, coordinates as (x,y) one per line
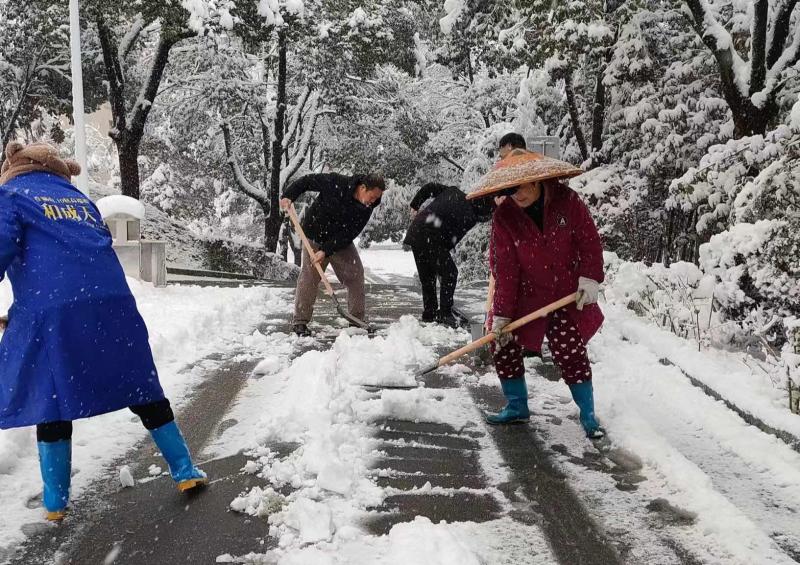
(726,470)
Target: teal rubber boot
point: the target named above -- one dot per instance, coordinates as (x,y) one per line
(173,448)
(583,395)
(55,463)
(516,392)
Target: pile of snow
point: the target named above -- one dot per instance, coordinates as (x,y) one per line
(318,402)
(737,298)
(421,542)
(740,483)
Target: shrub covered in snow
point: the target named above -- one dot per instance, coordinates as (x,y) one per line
(677,297)
(756,266)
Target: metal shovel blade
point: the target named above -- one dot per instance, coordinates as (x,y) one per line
(349,317)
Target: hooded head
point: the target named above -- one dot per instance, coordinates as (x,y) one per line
(43,157)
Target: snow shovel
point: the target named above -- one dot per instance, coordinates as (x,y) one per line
(489,337)
(328,288)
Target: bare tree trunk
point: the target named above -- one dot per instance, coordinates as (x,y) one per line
(575,115)
(273,218)
(748,119)
(128,135)
(598,114)
(758,47)
(128,150)
(266,154)
(291,243)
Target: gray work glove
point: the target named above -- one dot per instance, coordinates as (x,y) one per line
(501,339)
(588,289)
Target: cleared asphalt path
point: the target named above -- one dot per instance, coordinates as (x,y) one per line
(153,524)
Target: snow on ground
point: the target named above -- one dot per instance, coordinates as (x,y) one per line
(383,262)
(186,324)
(422,542)
(705,481)
(732,490)
(388,260)
(317,404)
(724,372)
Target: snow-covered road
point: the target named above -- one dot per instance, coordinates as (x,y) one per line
(343,473)
(719,489)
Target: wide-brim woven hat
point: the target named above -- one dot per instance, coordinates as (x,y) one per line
(520,167)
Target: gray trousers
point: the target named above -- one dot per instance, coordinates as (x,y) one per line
(348,268)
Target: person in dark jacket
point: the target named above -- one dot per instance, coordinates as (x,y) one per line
(509,142)
(338,215)
(75,345)
(433,233)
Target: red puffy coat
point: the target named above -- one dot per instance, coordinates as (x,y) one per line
(533,269)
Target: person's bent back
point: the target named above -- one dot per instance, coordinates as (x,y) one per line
(341,211)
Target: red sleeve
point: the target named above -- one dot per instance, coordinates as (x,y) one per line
(587,241)
(505,268)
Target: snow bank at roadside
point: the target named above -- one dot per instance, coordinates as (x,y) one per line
(746,386)
(186,323)
(701,455)
(674,307)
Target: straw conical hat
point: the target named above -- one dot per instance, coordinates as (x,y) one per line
(519,167)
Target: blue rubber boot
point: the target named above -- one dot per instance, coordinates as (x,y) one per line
(583,394)
(55,463)
(516,392)
(173,448)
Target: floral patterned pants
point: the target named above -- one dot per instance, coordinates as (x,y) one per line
(566,346)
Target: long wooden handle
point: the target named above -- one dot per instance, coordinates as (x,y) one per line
(307,244)
(540,313)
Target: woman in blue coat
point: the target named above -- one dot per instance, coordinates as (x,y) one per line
(76,345)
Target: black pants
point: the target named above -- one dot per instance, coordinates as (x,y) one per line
(153,415)
(434,262)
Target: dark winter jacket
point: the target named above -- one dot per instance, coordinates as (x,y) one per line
(446,220)
(335,218)
(534,267)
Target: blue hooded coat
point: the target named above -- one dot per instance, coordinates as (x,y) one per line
(76,345)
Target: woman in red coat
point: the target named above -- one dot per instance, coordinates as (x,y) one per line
(544,246)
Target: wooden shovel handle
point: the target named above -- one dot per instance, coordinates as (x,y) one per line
(488,338)
(307,244)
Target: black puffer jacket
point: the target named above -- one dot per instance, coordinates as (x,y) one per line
(335,218)
(446,220)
